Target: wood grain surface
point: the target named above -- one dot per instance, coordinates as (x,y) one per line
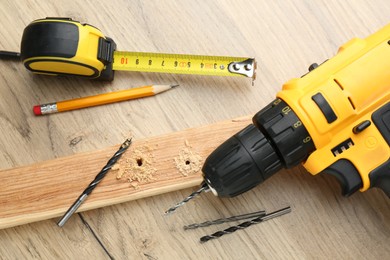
(284,36)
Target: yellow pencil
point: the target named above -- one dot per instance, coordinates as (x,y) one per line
(101,99)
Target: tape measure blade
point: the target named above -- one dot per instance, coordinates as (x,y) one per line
(182,64)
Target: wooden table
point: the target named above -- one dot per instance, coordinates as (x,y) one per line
(284,36)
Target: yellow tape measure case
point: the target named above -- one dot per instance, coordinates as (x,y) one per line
(61,46)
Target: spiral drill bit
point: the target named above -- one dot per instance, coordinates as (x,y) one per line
(245,224)
(203,188)
(256,214)
(95,182)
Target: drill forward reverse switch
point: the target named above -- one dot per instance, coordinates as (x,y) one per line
(334,119)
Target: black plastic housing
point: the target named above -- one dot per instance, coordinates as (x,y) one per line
(286,132)
(240,163)
(277,139)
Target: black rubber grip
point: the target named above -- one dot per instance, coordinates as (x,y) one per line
(347,175)
(381,119)
(380,178)
(49,39)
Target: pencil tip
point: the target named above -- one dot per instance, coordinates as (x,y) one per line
(174,86)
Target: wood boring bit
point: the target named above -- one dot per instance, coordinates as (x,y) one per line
(95,182)
(245,224)
(256,214)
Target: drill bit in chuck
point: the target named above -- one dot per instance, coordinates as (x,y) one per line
(203,188)
(95,182)
(245,224)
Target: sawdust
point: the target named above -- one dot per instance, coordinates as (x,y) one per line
(138,168)
(188,162)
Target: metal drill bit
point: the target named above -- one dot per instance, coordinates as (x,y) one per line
(245,224)
(7,55)
(256,214)
(94,183)
(203,188)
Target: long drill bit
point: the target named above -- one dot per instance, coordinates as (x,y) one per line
(95,182)
(256,214)
(203,188)
(245,224)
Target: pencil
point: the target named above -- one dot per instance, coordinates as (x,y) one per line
(101,99)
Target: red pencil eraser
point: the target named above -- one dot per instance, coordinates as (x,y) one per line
(37,110)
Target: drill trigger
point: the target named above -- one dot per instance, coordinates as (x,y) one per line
(347,175)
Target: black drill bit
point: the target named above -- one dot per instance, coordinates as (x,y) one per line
(8,55)
(256,214)
(95,182)
(245,224)
(204,187)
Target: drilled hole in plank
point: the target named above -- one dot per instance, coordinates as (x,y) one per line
(140,161)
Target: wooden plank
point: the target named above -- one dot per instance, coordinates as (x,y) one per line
(166,163)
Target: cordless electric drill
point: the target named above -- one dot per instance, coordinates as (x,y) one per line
(334,119)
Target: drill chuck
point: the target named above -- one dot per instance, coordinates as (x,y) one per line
(277,139)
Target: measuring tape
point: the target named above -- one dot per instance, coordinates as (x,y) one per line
(61,46)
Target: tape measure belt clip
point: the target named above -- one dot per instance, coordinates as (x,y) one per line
(106,50)
(105,54)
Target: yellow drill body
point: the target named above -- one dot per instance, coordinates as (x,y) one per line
(355,83)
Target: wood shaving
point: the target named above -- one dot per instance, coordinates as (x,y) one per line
(115,167)
(120,173)
(138,168)
(188,162)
